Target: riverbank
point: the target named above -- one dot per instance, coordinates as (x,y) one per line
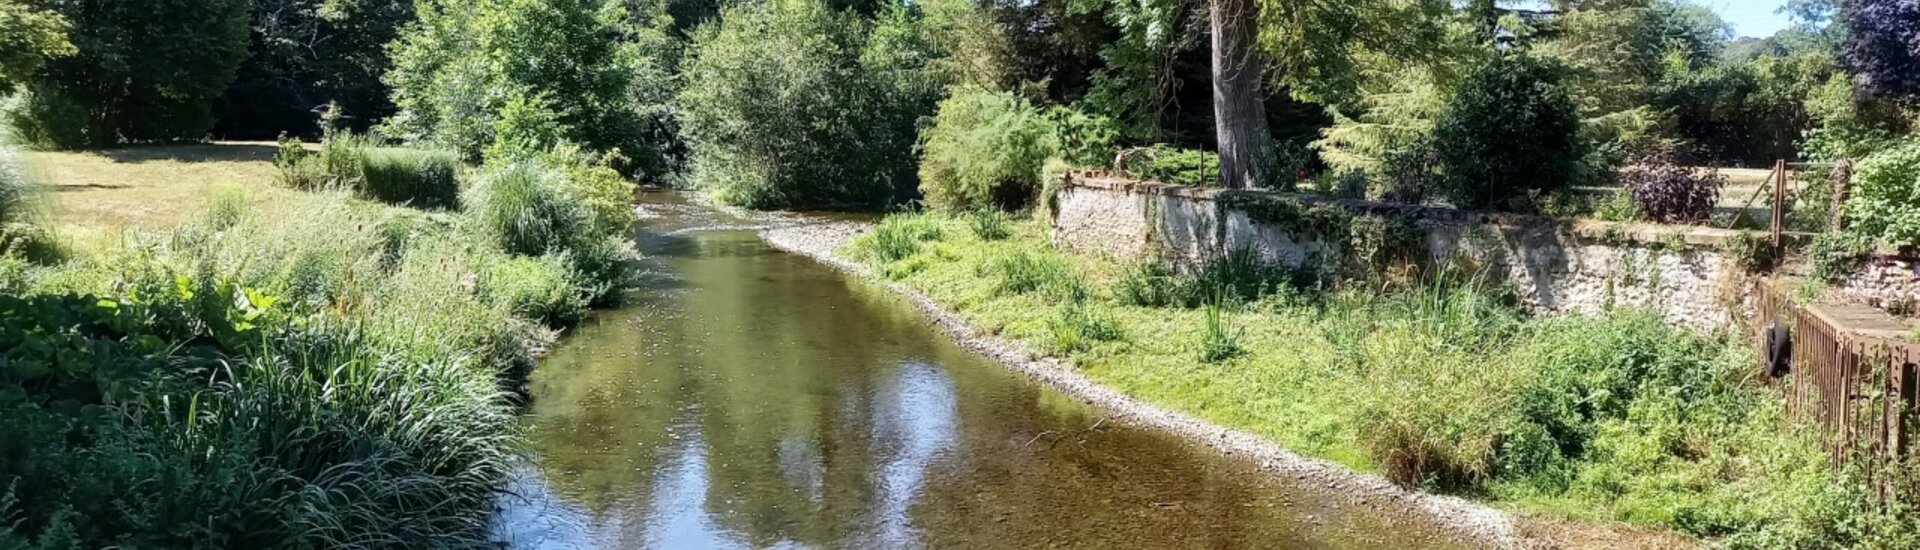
(1470,522)
(1016,334)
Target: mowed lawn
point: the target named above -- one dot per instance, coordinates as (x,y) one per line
(101,194)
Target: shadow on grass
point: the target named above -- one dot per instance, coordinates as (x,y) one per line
(191,153)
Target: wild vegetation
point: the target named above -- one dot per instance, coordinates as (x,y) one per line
(334,365)
(1437,381)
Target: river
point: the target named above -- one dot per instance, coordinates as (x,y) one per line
(751,398)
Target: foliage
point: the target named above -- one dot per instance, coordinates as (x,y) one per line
(1666,192)
(785,106)
(143,71)
(1882,206)
(1834,256)
(519,77)
(28,38)
(40,116)
(304,53)
(1078,327)
(1083,139)
(1167,164)
(984,150)
(418,177)
(1879,47)
(1022,272)
(989,224)
(1219,339)
(1509,132)
(898,237)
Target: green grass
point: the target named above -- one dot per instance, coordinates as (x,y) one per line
(1443,384)
(321,372)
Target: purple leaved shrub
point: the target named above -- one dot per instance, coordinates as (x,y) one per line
(1669,193)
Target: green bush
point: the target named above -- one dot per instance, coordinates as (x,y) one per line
(1882,205)
(989,225)
(143,72)
(515,77)
(1167,164)
(1510,134)
(520,208)
(544,288)
(415,177)
(984,150)
(783,107)
(41,117)
(531,208)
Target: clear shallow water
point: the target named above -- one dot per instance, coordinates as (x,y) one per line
(750,398)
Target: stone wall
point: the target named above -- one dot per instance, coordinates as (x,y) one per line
(1694,276)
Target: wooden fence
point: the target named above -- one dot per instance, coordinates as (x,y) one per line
(1852,371)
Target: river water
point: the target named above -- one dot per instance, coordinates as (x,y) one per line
(751,398)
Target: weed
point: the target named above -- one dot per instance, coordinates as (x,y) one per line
(989,224)
(1077,326)
(898,237)
(1021,272)
(1219,339)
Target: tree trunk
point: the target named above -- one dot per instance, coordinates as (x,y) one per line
(1247,158)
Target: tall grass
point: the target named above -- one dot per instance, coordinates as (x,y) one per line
(416,177)
(397,175)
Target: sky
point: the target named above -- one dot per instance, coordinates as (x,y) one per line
(1754,18)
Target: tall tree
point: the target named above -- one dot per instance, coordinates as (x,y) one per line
(1247,157)
(305,53)
(144,71)
(1883,46)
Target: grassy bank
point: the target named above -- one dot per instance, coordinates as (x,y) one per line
(317,370)
(1435,380)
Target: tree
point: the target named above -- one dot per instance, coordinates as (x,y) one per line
(306,53)
(1882,48)
(796,104)
(1509,132)
(28,39)
(509,77)
(1247,156)
(142,72)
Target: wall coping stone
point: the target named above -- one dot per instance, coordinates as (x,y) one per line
(1585,228)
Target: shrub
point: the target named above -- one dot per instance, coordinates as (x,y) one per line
(1834,256)
(191,414)
(782,109)
(1083,139)
(521,76)
(1509,133)
(529,208)
(40,116)
(1666,192)
(1882,206)
(519,206)
(1164,163)
(544,288)
(984,149)
(416,177)
(143,72)
(1151,284)
(227,206)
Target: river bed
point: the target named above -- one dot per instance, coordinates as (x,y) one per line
(751,398)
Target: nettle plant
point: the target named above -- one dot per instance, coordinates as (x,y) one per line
(1666,192)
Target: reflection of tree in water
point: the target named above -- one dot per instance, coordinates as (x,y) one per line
(828,414)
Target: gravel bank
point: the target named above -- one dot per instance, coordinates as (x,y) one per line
(1466,521)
